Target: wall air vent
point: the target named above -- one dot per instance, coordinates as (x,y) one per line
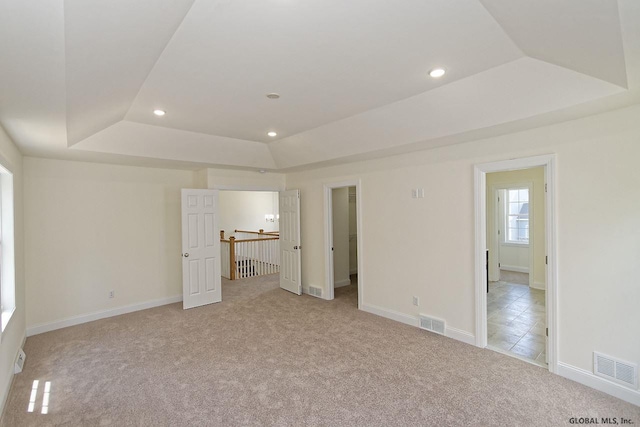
(432,324)
(620,371)
(316,292)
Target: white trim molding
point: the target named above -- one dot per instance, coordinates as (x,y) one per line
(328,237)
(460,335)
(341,283)
(590,380)
(103,314)
(480,194)
(391,314)
(515,268)
(538,285)
(449,332)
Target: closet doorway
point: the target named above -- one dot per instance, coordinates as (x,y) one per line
(342,242)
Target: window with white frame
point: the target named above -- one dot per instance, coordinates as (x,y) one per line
(517,216)
(7,252)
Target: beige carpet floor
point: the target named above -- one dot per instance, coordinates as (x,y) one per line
(267,357)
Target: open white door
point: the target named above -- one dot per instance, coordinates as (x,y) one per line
(290,276)
(200,248)
(501,194)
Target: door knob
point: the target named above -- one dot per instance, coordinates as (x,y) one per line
(186,255)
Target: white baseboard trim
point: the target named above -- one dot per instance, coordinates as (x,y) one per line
(390,314)
(84,318)
(456,334)
(539,285)
(514,268)
(590,380)
(460,335)
(341,283)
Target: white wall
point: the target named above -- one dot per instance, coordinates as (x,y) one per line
(91,228)
(14,334)
(245,210)
(340,205)
(514,257)
(230,179)
(429,251)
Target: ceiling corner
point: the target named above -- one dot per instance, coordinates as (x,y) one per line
(580,35)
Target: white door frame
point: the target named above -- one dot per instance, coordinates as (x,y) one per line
(328,235)
(480,190)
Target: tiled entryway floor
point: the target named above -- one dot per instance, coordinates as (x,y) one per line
(516,320)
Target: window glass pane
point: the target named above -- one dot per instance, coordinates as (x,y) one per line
(517,215)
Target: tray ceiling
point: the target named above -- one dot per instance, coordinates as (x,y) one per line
(81,78)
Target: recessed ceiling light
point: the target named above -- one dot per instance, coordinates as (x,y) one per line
(262,171)
(272,134)
(437,72)
(273,96)
(159,112)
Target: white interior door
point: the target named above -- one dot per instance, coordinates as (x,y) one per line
(290,275)
(200,248)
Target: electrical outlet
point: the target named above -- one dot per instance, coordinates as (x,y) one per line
(416,301)
(112,294)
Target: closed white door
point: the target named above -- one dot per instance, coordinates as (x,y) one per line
(290,276)
(200,248)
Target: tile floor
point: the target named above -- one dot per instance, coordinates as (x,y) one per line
(516,320)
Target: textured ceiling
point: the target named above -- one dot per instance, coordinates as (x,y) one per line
(80,78)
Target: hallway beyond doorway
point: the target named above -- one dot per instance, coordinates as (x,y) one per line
(348,294)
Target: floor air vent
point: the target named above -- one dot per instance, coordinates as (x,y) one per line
(316,292)
(432,324)
(617,370)
(19,361)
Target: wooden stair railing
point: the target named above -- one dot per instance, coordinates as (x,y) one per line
(251,257)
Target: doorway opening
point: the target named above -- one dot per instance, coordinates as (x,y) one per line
(515,259)
(516,312)
(249,233)
(342,242)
